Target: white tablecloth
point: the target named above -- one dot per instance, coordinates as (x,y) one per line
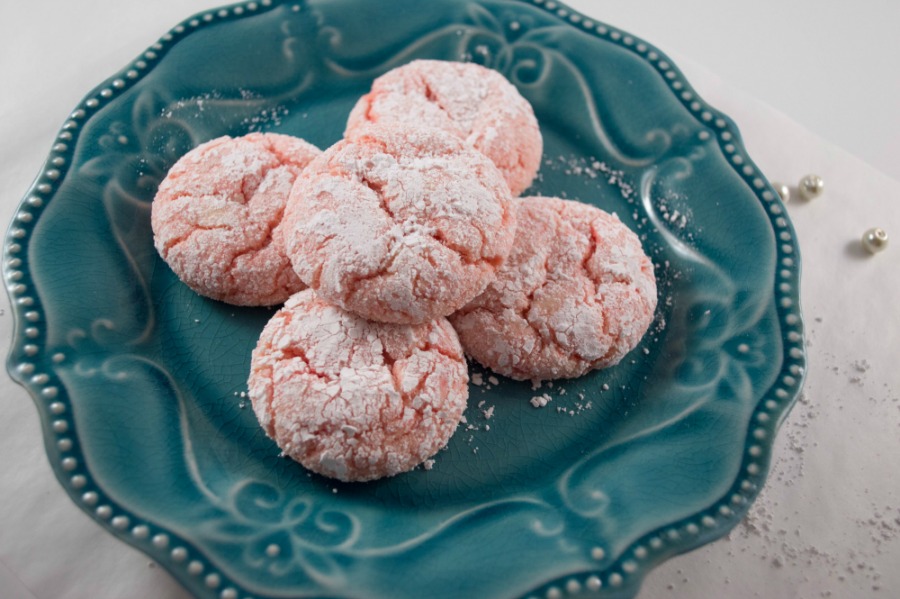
(826,525)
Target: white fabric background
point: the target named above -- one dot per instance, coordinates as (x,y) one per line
(828,522)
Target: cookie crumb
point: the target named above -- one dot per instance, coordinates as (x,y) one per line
(539,401)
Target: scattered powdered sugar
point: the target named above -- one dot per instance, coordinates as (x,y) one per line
(836,540)
(674,209)
(243,399)
(483,413)
(265,119)
(576,405)
(593,169)
(182,105)
(575,409)
(478,423)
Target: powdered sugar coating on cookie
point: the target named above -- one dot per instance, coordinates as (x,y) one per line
(475,103)
(353,399)
(576,294)
(399,224)
(216,216)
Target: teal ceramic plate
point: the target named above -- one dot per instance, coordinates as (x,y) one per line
(140,383)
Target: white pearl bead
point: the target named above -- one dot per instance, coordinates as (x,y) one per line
(811,187)
(875,240)
(784,192)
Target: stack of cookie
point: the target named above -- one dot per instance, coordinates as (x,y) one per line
(374,243)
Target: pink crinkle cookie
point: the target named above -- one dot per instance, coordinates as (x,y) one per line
(353,399)
(399,224)
(577,293)
(215,217)
(472,102)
